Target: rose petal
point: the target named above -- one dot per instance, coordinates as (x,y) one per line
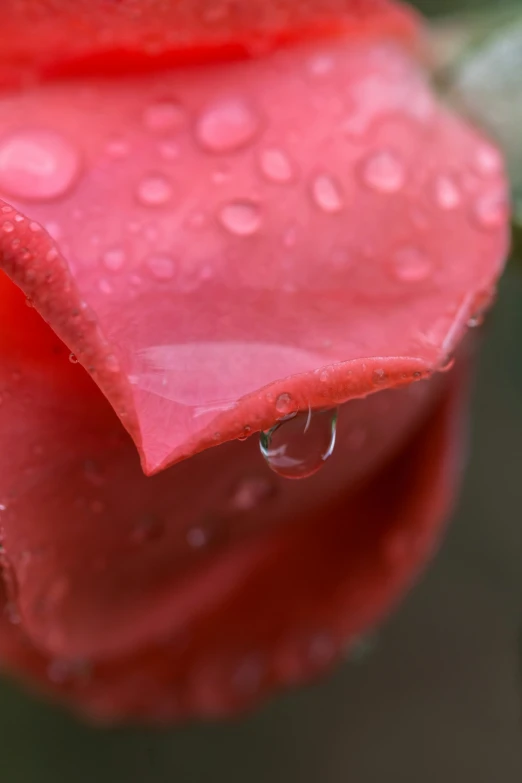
(243,617)
(51,39)
(100,559)
(309,224)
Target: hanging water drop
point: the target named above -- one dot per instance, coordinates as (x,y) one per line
(298,447)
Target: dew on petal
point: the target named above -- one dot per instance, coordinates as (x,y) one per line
(250,493)
(163,116)
(162,267)
(242,218)
(114,259)
(327,194)
(299,446)
(105,287)
(411,265)
(321,64)
(491,210)
(197,537)
(148,528)
(73,359)
(286,405)
(383,172)
(276,165)
(226,126)
(118,148)
(447,193)
(37,165)
(169,150)
(8,227)
(488,160)
(154,191)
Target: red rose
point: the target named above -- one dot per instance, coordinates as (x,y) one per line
(262,211)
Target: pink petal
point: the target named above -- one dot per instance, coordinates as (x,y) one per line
(226,236)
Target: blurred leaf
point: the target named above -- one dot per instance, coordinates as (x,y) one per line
(479,65)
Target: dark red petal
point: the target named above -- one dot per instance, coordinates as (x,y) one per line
(101,560)
(244,617)
(231,244)
(51,38)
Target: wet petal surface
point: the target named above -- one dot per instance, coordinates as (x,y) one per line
(197,288)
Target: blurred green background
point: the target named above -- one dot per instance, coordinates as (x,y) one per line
(438,698)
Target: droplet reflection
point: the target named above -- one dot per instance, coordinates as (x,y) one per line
(298,447)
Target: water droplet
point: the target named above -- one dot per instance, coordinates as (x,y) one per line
(242,218)
(384,172)
(164,116)
(197,537)
(411,265)
(327,194)
(476,320)
(488,160)
(379,377)
(73,359)
(114,259)
(226,126)
(149,528)
(250,493)
(162,267)
(491,211)
(447,193)
(321,64)
(299,447)
(38,165)
(169,150)
(8,227)
(286,405)
(154,191)
(105,287)
(276,165)
(117,148)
